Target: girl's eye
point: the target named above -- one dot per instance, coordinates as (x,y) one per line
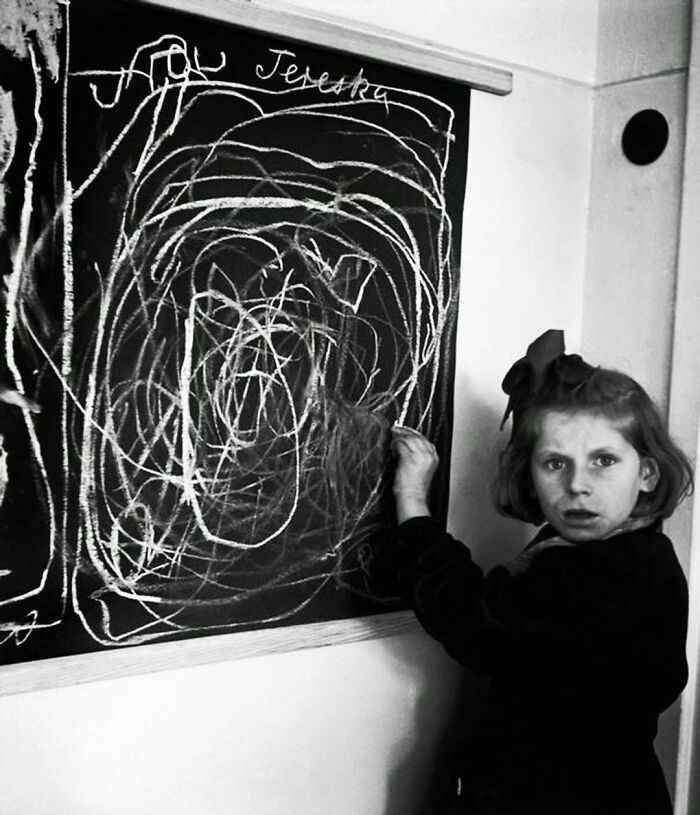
(606,460)
(554,464)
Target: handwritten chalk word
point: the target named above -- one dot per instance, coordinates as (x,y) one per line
(292,74)
(164,63)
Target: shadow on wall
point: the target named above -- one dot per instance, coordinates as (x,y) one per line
(450,700)
(448,705)
(666,744)
(476,445)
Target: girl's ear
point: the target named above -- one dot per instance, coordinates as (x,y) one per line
(650,474)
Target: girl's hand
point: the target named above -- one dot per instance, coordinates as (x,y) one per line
(416,464)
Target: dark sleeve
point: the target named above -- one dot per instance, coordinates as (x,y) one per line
(609,619)
(607,615)
(450,594)
(665,664)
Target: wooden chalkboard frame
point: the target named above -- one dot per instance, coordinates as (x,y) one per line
(273,18)
(276,17)
(25,677)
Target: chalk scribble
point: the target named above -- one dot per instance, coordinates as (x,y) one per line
(279,287)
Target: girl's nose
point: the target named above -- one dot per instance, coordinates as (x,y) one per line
(579,481)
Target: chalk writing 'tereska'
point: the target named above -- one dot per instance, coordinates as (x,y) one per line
(291,73)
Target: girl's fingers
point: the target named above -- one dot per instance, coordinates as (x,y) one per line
(409,436)
(400,430)
(411,444)
(413,447)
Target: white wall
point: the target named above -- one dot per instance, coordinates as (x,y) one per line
(324,731)
(522,272)
(559,232)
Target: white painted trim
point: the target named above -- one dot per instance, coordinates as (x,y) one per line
(278,18)
(684,424)
(688,767)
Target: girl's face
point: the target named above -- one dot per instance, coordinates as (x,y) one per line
(586,475)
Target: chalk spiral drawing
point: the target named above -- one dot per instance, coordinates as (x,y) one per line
(279,289)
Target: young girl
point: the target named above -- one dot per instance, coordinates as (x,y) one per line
(583,634)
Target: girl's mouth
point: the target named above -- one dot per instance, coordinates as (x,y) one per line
(579,516)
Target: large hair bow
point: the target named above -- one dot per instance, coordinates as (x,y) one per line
(543,362)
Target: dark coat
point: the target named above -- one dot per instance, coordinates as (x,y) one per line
(584,648)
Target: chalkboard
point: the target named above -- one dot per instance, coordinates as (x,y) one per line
(231,264)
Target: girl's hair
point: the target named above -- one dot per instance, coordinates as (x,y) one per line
(602,392)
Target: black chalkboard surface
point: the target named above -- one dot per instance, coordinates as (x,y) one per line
(231,265)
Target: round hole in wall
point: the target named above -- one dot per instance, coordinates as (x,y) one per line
(645,136)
